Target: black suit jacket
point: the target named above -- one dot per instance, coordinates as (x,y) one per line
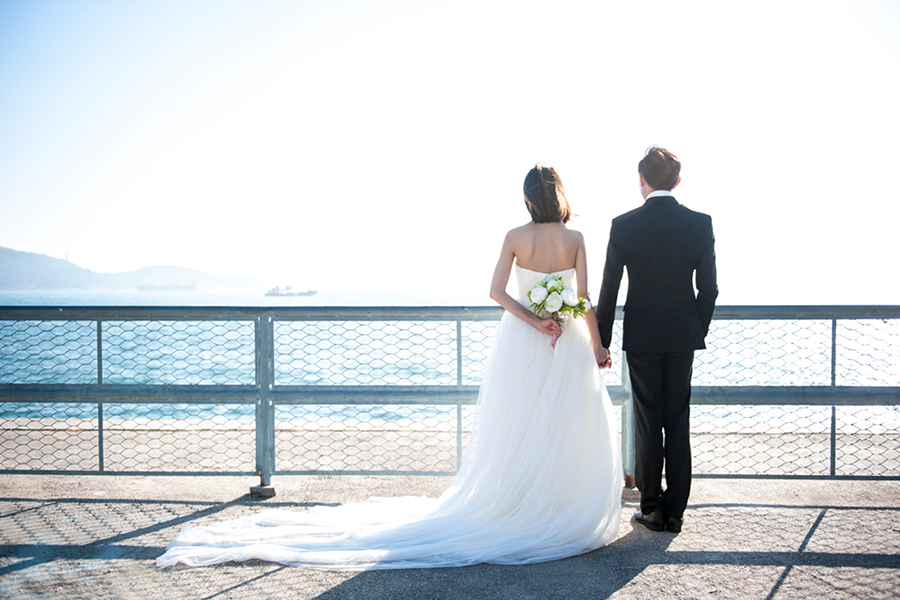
(662,244)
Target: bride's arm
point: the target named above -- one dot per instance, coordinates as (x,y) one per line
(601,354)
(499,295)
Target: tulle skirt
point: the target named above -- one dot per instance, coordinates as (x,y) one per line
(541,480)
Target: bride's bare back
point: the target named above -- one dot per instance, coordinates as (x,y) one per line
(546,247)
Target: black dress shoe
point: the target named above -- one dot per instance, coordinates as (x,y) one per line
(652,521)
(674,525)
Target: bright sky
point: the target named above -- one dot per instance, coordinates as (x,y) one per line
(382,145)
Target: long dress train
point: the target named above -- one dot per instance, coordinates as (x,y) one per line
(541,478)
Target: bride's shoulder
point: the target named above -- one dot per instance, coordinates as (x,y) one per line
(521,231)
(525,227)
(574,234)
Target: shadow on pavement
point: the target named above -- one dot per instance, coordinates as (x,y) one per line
(106,548)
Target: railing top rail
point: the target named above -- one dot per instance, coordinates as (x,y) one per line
(324,313)
(867,311)
(389,313)
(135,313)
(310,313)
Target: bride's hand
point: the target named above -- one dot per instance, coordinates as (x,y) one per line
(548,326)
(604,358)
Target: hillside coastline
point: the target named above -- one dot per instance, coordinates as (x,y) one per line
(28,271)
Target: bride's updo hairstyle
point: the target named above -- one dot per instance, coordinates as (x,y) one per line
(545,196)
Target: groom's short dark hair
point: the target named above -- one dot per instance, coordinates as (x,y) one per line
(660,168)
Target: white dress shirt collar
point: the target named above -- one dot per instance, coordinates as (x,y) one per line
(658,193)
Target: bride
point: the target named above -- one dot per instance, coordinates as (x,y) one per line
(542,476)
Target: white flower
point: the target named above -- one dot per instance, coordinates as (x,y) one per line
(537,294)
(555,284)
(568,296)
(553,303)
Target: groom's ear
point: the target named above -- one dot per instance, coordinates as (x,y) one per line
(676,183)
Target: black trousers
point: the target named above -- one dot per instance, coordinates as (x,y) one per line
(661,386)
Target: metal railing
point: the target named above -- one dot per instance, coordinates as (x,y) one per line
(810,392)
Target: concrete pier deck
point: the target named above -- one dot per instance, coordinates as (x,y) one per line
(92,537)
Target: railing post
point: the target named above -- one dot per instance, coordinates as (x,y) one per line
(833,440)
(265,412)
(459,426)
(100,465)
(459,355)
(628,444)
(459,380)
(833,459)
(834,352)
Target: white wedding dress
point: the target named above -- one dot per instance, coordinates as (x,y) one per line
(541,478)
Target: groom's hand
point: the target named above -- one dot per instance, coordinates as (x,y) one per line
(604,358)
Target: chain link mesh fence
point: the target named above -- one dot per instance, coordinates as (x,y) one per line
(749,352)
(198,355)
(365,353)
(797,439)
(370,437)
(129,438)
(133,436)
(53,436)
(869,352)
(48,352)
(178,352)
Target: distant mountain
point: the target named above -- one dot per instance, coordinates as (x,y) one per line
(26,271)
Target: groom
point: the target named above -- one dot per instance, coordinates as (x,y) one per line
(663,245)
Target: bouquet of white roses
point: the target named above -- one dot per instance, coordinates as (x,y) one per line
(551,297)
